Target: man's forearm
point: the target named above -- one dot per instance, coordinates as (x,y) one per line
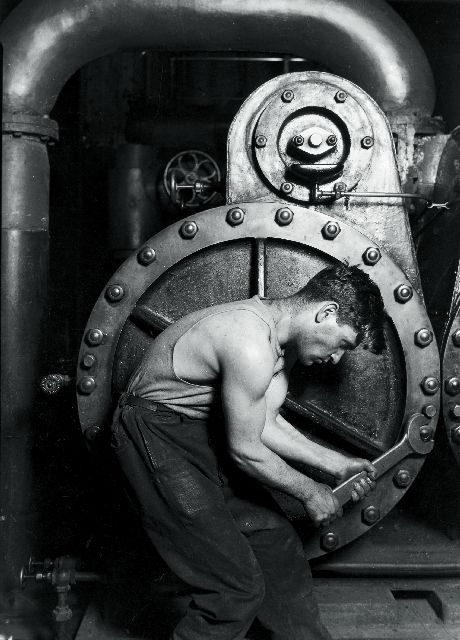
(284,440)
(266,466)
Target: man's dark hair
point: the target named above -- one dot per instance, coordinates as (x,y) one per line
(359,299)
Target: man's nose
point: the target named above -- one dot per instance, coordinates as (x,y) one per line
(335,357)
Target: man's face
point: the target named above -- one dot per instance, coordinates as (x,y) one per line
(324,340)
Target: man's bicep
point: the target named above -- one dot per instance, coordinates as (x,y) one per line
(244,383)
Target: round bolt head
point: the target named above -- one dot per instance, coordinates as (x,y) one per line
(93,433)
(370,514)
(287,96)
(402,478)
(455,434)
(188,230)
(430,385)
(331,140)
(284,216)
(298,141)
(429,410)
(315,140)
(329,541)
(371,256)
(340,187)
(423,338)
(456,338)
(260,141)
(88,361)
(287,187)
(452,386)
(341,96)
(146,256)
(426,433)
(235,216)
(114,293)
(330,230)
(455,411)
(367,142)
(94,337)
(86,385)
(403,293)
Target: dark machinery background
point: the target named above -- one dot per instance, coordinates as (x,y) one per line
(137,130)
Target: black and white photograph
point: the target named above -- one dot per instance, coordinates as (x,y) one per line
(230,320)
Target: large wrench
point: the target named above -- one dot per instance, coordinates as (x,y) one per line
(417,439)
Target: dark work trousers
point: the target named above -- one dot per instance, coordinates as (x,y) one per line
(218,531)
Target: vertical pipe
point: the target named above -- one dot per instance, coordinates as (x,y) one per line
(23,303)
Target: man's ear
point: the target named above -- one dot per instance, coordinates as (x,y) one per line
(326,310)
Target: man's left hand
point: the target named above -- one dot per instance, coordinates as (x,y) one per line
(352,466)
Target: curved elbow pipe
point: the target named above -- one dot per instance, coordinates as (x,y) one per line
(46,41)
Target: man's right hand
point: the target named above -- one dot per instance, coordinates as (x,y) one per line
(321,505)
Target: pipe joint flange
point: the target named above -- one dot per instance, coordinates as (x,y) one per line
(42,127)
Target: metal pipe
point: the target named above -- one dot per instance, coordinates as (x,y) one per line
(366,42)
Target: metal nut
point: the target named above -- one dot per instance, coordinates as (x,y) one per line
(329,541)
(371,256)
(88,361)
(330,230)
(456,338)
(146,256)
(340,187)
(331,140)
(114,293)
(429,410)
(298,141)
(287,96)
(367,142)
(235,216)
(426,433)
(86,385)
(341,96)
(403,293)
(452,386)
(455,411)
(284,216)
(287,187)
(370,514)
(423,338)
(430,385)
(402,478)
(455,434)
(188,230)
(260,141)
(94,337)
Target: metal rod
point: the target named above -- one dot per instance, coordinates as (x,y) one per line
(389,569)
(375,194)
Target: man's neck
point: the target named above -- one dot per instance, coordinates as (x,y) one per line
(282,316)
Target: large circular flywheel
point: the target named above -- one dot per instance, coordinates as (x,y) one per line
(380,407)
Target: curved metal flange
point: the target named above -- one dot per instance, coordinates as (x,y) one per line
(259,220)
(451,382)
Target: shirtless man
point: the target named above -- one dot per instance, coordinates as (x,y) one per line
(199,438)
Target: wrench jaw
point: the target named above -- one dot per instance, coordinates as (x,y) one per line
(413,442)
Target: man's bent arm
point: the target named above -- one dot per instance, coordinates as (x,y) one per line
(246,373)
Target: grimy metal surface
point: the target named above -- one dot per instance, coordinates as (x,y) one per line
(351,120)
(451,381)
(117,344)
